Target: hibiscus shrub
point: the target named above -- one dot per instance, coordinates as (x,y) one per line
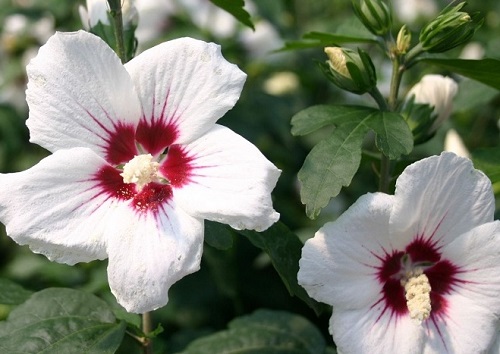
(254,176)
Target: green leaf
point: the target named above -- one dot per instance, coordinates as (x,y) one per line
(316,117)
(394,137)
(235,8)
(320,39)
(340,38)
(285,249)
(472,94)
(484,70)
(333,162)
(263,332)
(488,161)
(329,166)
(12,293)
(221,266)
(218,235)
(60,320)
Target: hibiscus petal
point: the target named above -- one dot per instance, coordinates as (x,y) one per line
(478,271)
(472,306)
(441,197)
(80,95)
(55,207)
(368,331)
(185,86)
(150,252)
(339,265)
(229,181)
(469,327)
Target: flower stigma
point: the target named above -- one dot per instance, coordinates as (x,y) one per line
(417,294)
(141,170)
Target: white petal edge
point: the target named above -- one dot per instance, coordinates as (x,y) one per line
(441,197)
(367,331)
(231,181)
(339,264)
(78,92)
(476,254)
(147,254)
(186,82)
(53,207)
(470,322)
(469,327)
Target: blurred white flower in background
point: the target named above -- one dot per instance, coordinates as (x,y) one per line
(454,143)
(97,11)
(209,17)
(472,51)
(438,92)
(261,42)
(154,20)
(281,83)
(20,34)
(18,25)
(94,12)
(409,11)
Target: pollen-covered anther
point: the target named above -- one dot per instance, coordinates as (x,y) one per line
(141,170)
(417,293)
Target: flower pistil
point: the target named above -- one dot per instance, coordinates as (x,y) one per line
(417,294)
(141,170)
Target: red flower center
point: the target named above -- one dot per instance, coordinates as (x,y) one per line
(156,138)
(420,253)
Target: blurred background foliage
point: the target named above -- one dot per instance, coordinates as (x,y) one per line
(239,280)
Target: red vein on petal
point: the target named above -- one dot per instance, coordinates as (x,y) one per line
(177,167)
(109,183)
(157,133)
(120,142)
(152,198)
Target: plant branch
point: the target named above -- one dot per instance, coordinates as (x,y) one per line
(389,105)
(146,328)
(116,15)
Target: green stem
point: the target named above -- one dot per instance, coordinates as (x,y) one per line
(390,105)
(116,14)
(397,74)
(377,96)
(147,345)
(412,54)
(384,177)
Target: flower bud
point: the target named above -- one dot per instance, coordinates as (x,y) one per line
(95,12)
(98,11)
(97,18)
(349,70)
(130,16)
(375,15)
(451,28)
(403,40)
(428,105)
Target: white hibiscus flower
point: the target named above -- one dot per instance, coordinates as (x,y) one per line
(438,92)
(138,162)
(416,272)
